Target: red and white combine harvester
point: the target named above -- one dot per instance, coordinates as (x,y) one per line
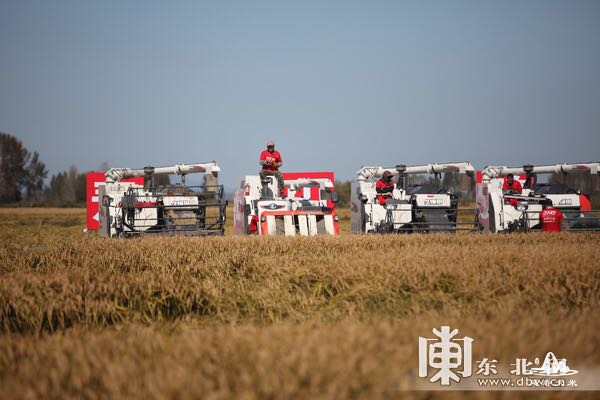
(126,202)
(306,208)
(422,205)
(505,210)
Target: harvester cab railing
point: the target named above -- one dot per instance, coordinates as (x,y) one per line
(505,211)
(325,186)
(130,209)
(422,207)
(269,188)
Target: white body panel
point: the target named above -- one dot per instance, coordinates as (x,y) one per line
(375,214)
(502,214)
(111,214)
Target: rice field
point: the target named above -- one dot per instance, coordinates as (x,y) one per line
(249,317)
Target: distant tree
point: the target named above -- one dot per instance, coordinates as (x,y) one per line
(66,188)
(162,180)
(81,188)
(36,174)
(21,173)
(343,190)
(587,183)
(12,167)
(55,189)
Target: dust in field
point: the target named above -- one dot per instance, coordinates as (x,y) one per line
(249,317)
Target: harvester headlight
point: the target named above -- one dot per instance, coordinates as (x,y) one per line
(522,207)
(336,218)
(263,218)
(363,198)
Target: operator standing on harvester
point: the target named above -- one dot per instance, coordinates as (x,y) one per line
(270,160)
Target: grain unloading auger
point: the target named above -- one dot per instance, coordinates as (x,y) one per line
(135,209)
(506,211)
(306,208)
(425,207)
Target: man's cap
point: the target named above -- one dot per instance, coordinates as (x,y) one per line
(270,143)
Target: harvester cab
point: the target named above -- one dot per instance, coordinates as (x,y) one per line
(506,211)
(306,208)
(133,209)
(422,205)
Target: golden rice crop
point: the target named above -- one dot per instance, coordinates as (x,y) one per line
(310,360)
(94,281)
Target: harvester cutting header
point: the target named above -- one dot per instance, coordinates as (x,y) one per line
(382,205)
(304,207)
(131,204)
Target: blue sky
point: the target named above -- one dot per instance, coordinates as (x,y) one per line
(336,84)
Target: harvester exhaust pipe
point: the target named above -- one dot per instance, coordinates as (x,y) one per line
(530,177)
(148,177)
(401,168)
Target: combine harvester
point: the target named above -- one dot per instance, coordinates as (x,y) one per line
(306,208)
(125,202)
(505,211)
(424,207)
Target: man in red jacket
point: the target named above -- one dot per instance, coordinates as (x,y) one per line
(510,186)
(384,187)
(270,160)
(551,219)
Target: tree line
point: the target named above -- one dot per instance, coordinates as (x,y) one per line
(23,178)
